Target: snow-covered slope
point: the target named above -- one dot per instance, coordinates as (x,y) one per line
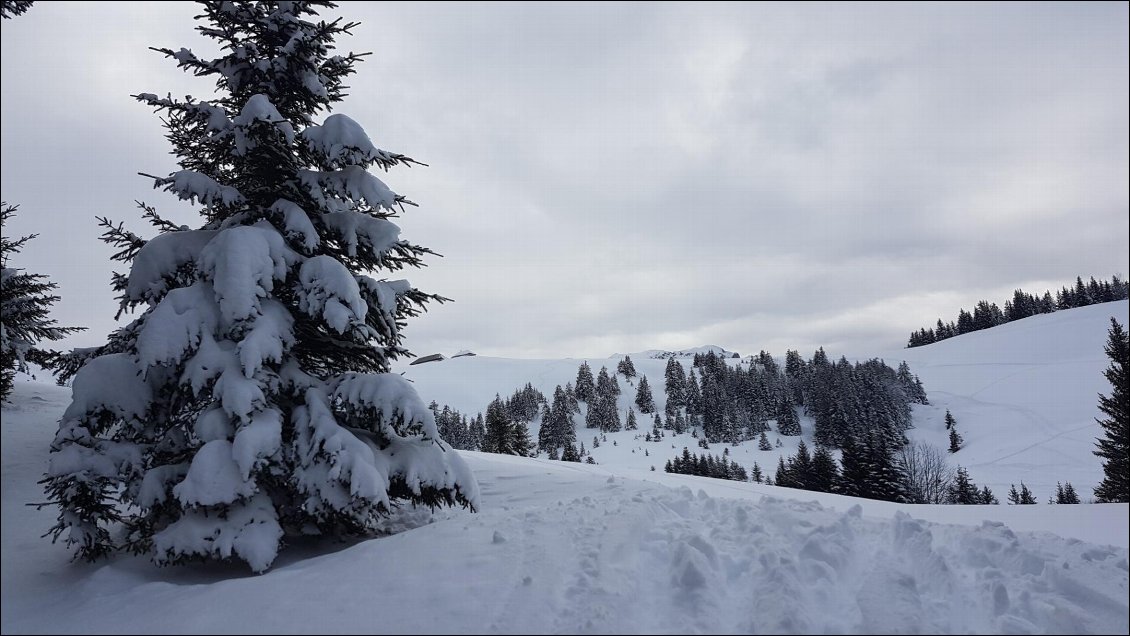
(616,548)
(572,548)
(1025,396)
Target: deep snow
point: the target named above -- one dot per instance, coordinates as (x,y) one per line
(561,547)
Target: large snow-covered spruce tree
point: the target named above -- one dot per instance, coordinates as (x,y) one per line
(252,399)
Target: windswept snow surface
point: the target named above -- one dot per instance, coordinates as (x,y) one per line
(572,548)
(617,548)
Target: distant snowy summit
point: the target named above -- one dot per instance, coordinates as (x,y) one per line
(660,354)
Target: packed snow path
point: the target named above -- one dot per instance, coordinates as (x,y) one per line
(626,556)
(568,548)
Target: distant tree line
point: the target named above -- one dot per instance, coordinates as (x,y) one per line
(861,409)
(733,404)
(706,465)
(986,315)
(503,430)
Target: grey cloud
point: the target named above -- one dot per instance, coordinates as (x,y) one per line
(621,177)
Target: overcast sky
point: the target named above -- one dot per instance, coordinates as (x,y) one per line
(611,178)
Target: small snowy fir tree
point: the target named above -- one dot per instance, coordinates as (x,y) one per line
(962,490)
(644,400)
(25,305)
(626,368)
(584,389)
(252,397)
(1114,446)
(674,385)
(1022,497)
(1065,494)
(569,454)
(955,440)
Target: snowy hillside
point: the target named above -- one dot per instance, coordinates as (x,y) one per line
(1024,394)
(572,548)
(617,548)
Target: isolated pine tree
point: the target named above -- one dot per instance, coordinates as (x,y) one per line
(986,496)
(25,306)
(1023,497)
(1065,494)
(547,438)
(626,368)
(1114,448)
(644,400)
(584,388)
(252,398)
(955,440)
(675,386)
(949,420)
(763,443)
(755,473)
(569,454)
(962,489)
(631,425)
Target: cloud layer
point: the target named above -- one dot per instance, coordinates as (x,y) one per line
(621,177)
